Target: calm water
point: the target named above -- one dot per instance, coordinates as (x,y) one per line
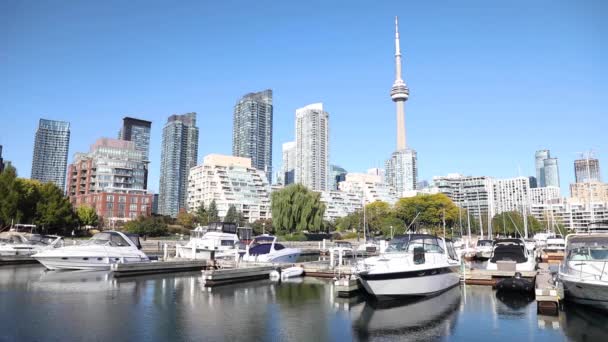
(92,306)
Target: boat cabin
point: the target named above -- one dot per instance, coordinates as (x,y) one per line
(509,250)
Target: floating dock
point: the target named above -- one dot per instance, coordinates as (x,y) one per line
(547,293)
(223,276)
(490,277)
(347,287)
(134,269)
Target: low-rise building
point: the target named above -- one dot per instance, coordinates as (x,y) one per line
(340,204)
(572,216)
(230,181)
(370,187)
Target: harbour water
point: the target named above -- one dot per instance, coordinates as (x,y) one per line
(38,305)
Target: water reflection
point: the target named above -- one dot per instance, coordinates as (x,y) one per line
(84,306)
(424,319)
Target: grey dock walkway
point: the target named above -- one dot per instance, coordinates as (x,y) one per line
(134,269)
(489,277)
(546,292)
(217,277)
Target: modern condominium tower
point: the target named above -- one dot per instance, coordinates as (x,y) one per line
(138,131)
(178,155)
(587,170)
(401,168)
(252,130)
(539,161)
(51,152)
(312,147)
(289,162)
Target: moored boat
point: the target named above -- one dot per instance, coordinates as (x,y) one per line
(265,248)
(98,253)
(511,251)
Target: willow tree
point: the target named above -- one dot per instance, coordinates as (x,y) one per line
(295,208)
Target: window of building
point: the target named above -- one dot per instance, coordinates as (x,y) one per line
(133,207)
(110,198)
(122,199)
(133,199)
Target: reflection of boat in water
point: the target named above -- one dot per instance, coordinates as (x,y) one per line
(581,323)
(77,281)
(513,300)
(426,317)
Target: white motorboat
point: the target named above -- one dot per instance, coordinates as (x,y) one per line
(530,245)
(15,243)
(413,265)
(98,253)
(343,247)
(512,250)
(484,249)
(584,272)
(219,238)
(369,246)
(265,248)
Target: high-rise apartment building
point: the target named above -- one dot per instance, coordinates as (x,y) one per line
(138,131)
(178,155)
(473,193)
(539,163)
(401,168)
(110,178)
(312,147)
(377,172)
(230,181)
(512,194)
(1,160)
(548,194)
(51,152)
(337,174)
(533,182)
(587,170)
(589,192)
(288,168)
(252,130)
(340,204)
(551,172)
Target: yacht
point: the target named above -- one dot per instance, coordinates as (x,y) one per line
(14,243)
(220,238)
(413,265)
(512,250)
(553,250)
(264,248)
(483,249)
(98,253)
(584,272)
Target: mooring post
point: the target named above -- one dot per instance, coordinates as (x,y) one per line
(331,258)
(165,252)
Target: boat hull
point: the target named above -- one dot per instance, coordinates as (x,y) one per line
(592,293)
(410,284)
(59,263)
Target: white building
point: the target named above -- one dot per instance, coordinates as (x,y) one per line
(473,193)
(377,172)
(288,168)
(370,186)
(511,194)
(230,181)
(402,171)
(545,195)
(572,215)
(340,204)
(312,147)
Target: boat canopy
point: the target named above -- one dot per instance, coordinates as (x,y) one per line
(484,243)
(509,252)
(407,243)
(112,238)
(264,238)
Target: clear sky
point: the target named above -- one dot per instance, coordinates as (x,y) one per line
(490,82)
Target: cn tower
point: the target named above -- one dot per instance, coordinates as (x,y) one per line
(399,93)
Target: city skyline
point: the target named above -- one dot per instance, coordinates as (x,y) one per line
(357,143)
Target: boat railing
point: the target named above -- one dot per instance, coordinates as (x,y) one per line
(583,275)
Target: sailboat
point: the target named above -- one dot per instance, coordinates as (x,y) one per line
(368,246)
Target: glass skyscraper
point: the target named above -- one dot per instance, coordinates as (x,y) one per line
(138,131)
(540,157)
(178,155)
(312,147)
(252,130)
(547,171)
(51,145)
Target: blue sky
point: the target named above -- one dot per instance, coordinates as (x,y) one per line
(490,82)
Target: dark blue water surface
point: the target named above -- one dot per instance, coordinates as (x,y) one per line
(36,305)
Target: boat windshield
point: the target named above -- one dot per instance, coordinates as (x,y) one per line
(484,243)
(588,248)
(109,238)
(407,243)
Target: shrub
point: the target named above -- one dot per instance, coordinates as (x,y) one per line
(148,226)
(293,237)
(348,236)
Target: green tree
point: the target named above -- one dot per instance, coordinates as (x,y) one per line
(54,211)
(212,212)
(185,219)
(350,222)
(261,226)
(148,226)
(201,214)
(512,223)
(9,197)
(295,208)
(87,216)
(431,210)
(232,215)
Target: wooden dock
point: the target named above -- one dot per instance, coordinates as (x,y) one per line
(223,276)
(547,293)
(490,277)
(17,260)
(347,287)
(135,269)
(324,270)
